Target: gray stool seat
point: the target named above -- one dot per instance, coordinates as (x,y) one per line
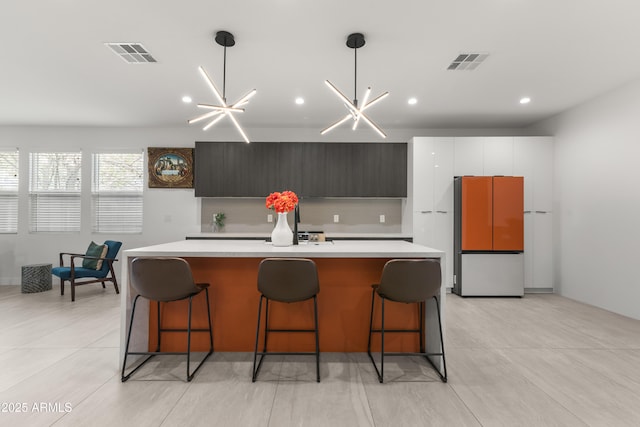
(36,278)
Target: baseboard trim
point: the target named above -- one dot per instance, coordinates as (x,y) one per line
(538,290)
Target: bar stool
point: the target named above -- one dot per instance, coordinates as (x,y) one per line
(286,280)
(408,281)
(165,279)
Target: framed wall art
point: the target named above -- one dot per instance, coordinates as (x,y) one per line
(170,167)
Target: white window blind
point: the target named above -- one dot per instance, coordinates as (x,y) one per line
(9,191)
(54,191)
(116,192)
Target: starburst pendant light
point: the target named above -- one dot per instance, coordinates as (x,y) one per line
(356,113)
(218,112)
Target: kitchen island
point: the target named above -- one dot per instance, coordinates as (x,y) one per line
(346,270)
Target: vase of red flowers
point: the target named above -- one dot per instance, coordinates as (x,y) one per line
(282,203)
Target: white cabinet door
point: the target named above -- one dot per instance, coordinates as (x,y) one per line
(435,230)
(523,165)
(443,235)
(468,156)
(443,166)
(498,156)
(423,228)
(528,249)
(543,250)
(533,159)
(423,174)
(543,187)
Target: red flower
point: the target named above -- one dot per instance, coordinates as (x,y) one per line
(282,202)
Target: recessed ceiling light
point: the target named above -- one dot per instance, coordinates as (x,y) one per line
(525,100)
(186,99)
(299,100)
(412,101)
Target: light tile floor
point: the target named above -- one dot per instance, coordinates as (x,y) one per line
(540,360)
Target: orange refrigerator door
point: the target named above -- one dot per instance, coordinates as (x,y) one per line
(508,218)
(477,227)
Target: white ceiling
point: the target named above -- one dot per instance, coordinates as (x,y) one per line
(56,70)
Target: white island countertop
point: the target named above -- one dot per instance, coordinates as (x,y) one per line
(258,248)
(328,234)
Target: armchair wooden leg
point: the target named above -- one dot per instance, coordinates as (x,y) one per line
(61,287)
(73,292)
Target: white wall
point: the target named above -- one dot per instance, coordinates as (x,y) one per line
(597,200)
(169,214)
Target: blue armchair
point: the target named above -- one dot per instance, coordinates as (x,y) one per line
(73,273)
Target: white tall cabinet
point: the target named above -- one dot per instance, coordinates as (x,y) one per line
(533,159)
(432,191)
(434,161)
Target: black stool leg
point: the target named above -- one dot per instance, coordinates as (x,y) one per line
(206,291)
(158,316)
(126,347)
(189,330)
(315,312)
(266,323)
(444,362)
(189,377)
(124,377)
(421,309)
(255,353)
(373,293)
(382,343)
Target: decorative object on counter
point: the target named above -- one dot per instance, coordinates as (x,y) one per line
(355,41)
(282,203)
(218,221)
(170,167)
(218,112)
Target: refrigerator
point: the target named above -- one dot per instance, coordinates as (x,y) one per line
(488,236)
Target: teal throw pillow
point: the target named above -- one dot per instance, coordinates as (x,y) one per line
(95,250)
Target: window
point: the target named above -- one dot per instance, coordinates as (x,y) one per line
(9,191)
(116,192)
(54,192)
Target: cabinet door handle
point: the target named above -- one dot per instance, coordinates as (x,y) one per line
(541,212)
(441,211)
(426,211)
(527,211)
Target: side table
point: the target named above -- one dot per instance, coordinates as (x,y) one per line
(36,278)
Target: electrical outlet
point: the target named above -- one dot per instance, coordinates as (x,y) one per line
(336,218)
(269,218)
(382,219)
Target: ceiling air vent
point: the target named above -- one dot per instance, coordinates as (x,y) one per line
(467,61)
(132,53)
